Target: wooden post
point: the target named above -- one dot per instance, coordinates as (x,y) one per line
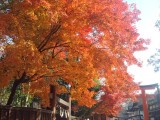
(145,106)
(69,107)
(99,116)
(53,100)
(158,95)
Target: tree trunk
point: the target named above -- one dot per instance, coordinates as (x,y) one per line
(13,91)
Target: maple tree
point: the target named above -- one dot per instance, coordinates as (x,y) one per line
(21,99)
(43,41)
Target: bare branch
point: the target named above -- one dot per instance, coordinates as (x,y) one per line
(53,56)
(61,45)
(53,30)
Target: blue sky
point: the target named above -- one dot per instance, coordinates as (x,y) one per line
(150,13)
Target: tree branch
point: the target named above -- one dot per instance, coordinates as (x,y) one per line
(53,56)
(55,46)
(53,30)
(24,78)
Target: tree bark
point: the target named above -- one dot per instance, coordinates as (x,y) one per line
(13,91)
(17,82)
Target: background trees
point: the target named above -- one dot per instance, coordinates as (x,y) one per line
(43,41)
(21,99)
(154,59)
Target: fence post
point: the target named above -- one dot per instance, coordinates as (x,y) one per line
(53,100)
(69,118)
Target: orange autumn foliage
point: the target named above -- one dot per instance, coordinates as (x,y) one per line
(75,40)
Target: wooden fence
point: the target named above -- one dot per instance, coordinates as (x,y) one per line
(24,113)
(64,112)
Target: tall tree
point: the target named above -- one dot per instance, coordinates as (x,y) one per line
(154,60)
(43,41)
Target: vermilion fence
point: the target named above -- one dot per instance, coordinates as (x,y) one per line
(23,113)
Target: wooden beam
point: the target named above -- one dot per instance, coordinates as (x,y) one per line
(61,101)
(148,87)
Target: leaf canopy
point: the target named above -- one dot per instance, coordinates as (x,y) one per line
(73,40)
